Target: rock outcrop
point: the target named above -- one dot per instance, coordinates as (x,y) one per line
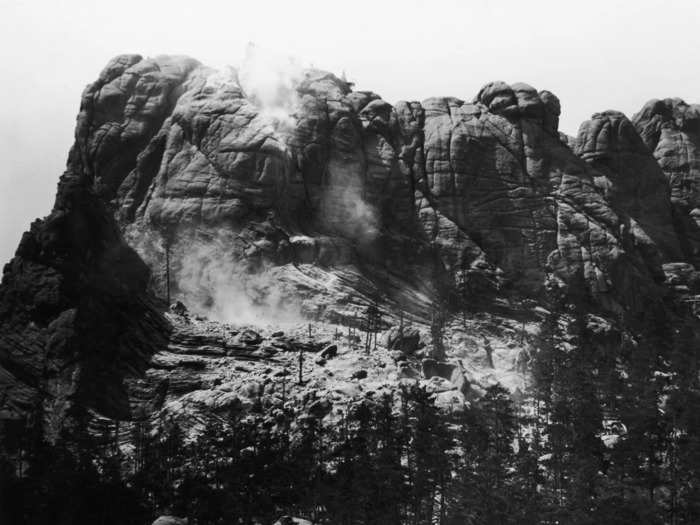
(631,180)
(486,187)
(670,128)
(182,182)
(75,317)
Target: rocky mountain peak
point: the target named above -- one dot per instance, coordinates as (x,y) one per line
(521,101)
(305,201)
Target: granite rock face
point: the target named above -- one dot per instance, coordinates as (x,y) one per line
(496,169)
(322,205)
(120,113)
(630,179)
(670,128)
(487,187)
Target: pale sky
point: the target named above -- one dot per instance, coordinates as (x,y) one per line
(595,55)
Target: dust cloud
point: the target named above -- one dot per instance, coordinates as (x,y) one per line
(210,275)
(269,80)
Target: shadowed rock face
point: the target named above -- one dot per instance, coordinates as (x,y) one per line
(401,203)
(630,179)
(671,130)
(75,318)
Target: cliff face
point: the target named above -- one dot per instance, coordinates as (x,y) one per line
(671,129)
(75,318)
(488,182)
(630,179)
(335,202)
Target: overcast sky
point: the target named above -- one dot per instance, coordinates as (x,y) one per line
(595,55)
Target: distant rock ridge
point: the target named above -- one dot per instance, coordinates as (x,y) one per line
(409,205)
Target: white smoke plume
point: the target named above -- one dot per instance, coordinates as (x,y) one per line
(208,274)
(343,201)
(358,218)
(269,80)
(214,282)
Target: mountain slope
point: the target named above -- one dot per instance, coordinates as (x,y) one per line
(466,219)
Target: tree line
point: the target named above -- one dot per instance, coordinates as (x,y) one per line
(609,433)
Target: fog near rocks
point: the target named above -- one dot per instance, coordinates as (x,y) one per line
(269,79)
(212,282)
(208,275)
(358,218)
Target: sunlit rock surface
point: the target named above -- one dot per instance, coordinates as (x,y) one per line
(212,368)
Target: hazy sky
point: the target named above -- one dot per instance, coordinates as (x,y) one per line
(595,55)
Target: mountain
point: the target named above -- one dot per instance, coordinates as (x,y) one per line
(451,231)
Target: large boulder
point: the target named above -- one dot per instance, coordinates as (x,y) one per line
(169,520)
(288,520)
(451,372)
(404,339)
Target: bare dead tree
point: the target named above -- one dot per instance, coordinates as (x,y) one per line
(166,246)
(301,365)
(437,328)
(372,322)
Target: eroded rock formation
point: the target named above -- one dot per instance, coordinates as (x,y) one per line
(342,202)
(670,128)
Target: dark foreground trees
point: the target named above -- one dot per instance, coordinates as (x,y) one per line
(377,464)
(610,434)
